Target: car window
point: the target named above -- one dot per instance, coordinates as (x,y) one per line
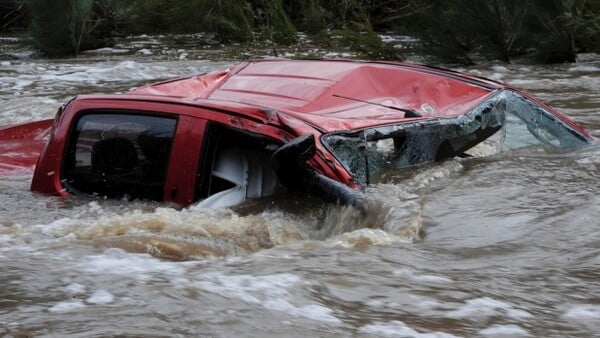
(118,154)
(527,123)
(236,165)
(517,121)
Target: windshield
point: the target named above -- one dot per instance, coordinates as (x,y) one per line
(514,120)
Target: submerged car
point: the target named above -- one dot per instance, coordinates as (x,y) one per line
(323,126)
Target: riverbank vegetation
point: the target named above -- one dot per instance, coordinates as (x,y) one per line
(457,31)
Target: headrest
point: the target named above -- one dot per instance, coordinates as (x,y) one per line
(114,156)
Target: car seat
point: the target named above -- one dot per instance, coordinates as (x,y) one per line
(249,173)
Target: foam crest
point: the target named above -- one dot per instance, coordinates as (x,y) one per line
(273,292)
(67,306)
(486,307)
(100,297)
(397,328)
(366,238)
(424,279)
(507,331)
(583,313)
(179,234)
(141,267)
(344,219)
(65,79)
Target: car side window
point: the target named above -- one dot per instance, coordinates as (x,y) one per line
(120,155)
(236,165)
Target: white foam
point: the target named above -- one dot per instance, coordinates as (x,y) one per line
(525,83)
(375,237)
(397,328)
(67,306)
(479,307)
(505,331)
(518,314)
(428,304)
(100,297)
(20,85)
(312,311)
(330,55)
(107,51)
(247,287)
(584,68)
(75,288)
(65,79)
(56,228)
(140,267)
(388,38)
(584,312)
(496,76)
(145,51)
(271,291)
(5,237)
(500,69)
(408,274)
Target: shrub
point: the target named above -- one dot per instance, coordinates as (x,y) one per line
(459,30)
(367,43)
(65,27)
(230,20)
(14,15)
(274,22)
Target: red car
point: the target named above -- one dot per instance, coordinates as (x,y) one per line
(327,127)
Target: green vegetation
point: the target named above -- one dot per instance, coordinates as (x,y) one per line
(463,31)
(549,30)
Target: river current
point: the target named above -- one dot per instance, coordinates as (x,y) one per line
(505,245)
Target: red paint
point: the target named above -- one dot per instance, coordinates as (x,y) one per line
(278,98)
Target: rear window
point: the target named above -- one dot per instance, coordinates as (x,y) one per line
(122,155)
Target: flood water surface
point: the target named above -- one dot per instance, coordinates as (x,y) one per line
(506,245)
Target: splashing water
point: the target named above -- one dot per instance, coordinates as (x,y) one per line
(503,244)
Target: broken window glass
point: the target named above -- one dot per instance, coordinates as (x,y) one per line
(519,121)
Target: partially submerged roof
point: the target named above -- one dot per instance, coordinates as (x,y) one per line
(335,94)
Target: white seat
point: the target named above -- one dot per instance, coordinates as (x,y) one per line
(249,171)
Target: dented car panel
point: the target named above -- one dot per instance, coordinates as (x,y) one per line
(518,121)
(20,145)
(260,127)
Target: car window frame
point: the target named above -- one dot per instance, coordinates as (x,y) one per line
(74,133)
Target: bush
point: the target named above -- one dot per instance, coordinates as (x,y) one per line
(274,22)
(65,27)
(556,31)
(230,20)
(310,17)
(48,30)
(14,15)
(143,16)
(452,30)
(367,43)
(458,30)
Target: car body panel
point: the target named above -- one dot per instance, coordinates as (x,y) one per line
(333,95)
(21,145)
(273,102)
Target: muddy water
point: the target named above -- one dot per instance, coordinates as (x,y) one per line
(505,245)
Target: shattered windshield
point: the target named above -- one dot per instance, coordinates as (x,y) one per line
(513,120)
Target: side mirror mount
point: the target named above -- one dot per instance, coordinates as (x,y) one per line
(289,163)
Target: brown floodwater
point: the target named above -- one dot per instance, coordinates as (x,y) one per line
(505,245)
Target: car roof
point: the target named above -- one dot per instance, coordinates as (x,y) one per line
(333,95)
